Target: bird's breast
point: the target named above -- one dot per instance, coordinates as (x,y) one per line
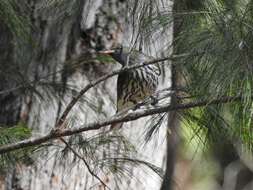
(136,85)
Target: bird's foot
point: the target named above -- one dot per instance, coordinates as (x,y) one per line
(154,101)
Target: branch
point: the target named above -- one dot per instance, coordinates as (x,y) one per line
(103,78)
(115,119)
(85,162)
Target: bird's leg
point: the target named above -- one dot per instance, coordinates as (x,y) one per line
(154,101)
(127,61)
(136,105)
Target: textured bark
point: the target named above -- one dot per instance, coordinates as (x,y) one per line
(172,137)
(173,132)
(10,103)
(96,25)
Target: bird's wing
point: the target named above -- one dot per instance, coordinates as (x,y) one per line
(121,90)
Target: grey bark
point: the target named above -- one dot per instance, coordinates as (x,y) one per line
(173,137)
(95,25)
(173,131)
(10,103)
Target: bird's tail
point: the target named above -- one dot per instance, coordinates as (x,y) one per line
(116,126)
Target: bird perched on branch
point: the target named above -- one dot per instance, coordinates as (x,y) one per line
(134,85)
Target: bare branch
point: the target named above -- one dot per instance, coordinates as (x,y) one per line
(85,162)
(115,119)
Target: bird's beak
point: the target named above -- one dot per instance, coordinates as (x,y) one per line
(108,52)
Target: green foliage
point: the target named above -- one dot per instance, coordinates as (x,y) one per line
(217,37)
(11,135)
(153,126)
(219,44)
(15,16)
(18,132)
(105,59)
(107,152)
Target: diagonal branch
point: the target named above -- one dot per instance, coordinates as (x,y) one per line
(115,119)
(103,78)
(85,162)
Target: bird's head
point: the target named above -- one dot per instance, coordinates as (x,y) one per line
(119,53)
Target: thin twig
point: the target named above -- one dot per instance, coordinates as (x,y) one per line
(135,160)
(113,120)
(85,162)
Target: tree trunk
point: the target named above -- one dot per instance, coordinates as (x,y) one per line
(172,139)
(173,130)
(10,102)
(93,26)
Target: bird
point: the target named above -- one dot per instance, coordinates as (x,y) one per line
(133,85)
